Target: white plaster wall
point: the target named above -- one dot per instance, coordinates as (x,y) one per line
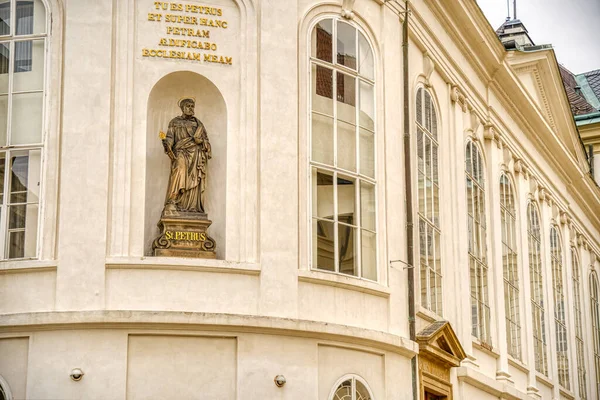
(181,367)
(27,292)
(142,289)
(101,354)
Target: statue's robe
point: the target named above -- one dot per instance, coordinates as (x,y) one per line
(187,182)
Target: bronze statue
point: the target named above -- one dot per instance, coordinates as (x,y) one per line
(186,143)
(184,222)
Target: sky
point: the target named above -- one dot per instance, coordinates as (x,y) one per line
(571,26)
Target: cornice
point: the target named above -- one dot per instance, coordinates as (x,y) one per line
(198,321)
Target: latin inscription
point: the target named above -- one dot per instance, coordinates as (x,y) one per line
(196,24)
(182,235)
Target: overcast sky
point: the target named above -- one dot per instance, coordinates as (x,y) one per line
(571,26)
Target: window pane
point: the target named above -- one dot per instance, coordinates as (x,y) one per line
(367,153)
(25,176)
(367,206)
(323,245)
(346,146)
(346,98)
(347,249)
(367,106)
(369,255)
(4,62)
(321,41)
(346,45)
(366,67)
(4,17)
(322,139)
(31,17)
(22,240)
(27,118)
(346,200)
(29,65)
(322,89)
(322,206)
(3,118)
(344,391)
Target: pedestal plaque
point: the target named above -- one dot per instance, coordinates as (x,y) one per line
(183,234)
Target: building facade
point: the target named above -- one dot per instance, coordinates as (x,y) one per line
(342,149)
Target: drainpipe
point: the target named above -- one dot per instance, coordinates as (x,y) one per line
(409,202)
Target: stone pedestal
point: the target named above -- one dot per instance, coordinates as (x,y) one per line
(183,234)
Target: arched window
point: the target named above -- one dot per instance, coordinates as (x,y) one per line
(560,319)
(579,347)
(480,305)
(510,267)
(595,302)
(342,148)
(5,393)
(23,30)
(429,204)
(536,281)
(351,388)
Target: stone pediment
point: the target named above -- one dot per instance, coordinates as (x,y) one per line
(439,342)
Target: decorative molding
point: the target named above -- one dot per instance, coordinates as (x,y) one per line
(457,96)
(428,67)
(565,218)
(490,132)
(347,9)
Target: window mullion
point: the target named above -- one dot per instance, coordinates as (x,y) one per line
(336,255)
(4,211)
(9,114)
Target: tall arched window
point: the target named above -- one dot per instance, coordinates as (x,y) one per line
(560,319)
(351,388)
(579,347)
(510,267)
(429,204)
(478,266)
(595,303)
(23,34)
(342,161)
(536,281)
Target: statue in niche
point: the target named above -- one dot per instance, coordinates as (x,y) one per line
(186,143)
(184,221)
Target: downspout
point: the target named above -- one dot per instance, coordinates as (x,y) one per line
(409,202)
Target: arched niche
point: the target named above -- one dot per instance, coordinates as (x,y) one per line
(211,110)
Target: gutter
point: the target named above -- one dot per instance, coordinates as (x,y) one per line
(587,116)
(409,202)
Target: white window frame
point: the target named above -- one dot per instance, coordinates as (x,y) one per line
(354,378)
(577,313)
(480,297)
(5,388)
(432,292)
(8,149)
(537,303)
(595,310)
(512,306)
(335,67)
(560,310)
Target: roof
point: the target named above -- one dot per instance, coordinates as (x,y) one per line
(590,87)
(577,100)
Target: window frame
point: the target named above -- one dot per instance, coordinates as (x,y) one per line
(434,296)
(335,170)
(354,378)
(513,297)
(579,327)
(537,303)
(595,311)
(12,38)
(482,331)
(560,314)
(5,388)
